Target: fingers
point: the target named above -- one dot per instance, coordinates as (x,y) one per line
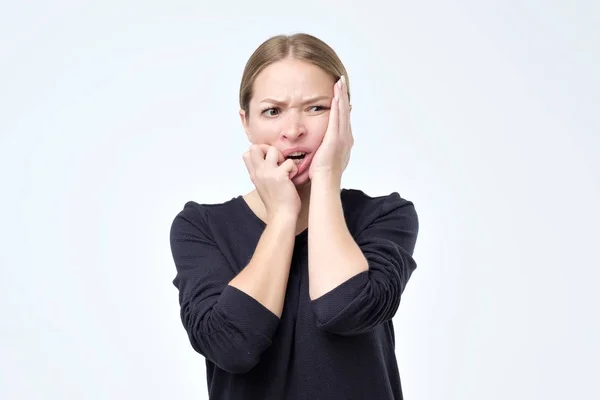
(333,124)
(263,147)
(290,167)
(281,157)
(257,155)
(261,155)
(343,106)
(274,156)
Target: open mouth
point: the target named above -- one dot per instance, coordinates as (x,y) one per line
(297,156)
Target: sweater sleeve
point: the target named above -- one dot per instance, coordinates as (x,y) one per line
(372,297)
(224,324)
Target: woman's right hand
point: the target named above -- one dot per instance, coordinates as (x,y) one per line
(273,181)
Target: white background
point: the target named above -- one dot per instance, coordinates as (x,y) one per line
(485,114)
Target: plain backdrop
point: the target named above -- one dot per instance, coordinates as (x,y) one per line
(485,114)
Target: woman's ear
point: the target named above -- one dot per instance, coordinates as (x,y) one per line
(245,123)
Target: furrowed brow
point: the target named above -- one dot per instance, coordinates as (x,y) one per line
(283,103)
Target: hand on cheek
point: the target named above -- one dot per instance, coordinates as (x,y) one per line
(334,153)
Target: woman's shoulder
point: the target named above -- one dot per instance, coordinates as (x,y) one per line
(204,214)
(357,199)
(204,207)
(361,208)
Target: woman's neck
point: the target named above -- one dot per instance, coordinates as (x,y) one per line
(304,193)
(255,203)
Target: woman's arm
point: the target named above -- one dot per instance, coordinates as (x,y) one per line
(333,255)
(356,284)
(231,325)
(266,275)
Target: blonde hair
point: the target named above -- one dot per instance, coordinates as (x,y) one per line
(301,46)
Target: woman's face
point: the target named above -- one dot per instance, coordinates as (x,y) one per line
(290,110)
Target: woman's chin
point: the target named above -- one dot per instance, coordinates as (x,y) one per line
(302,179)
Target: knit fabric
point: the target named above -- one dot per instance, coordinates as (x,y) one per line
(340,346)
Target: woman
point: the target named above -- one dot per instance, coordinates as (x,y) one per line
(289,291)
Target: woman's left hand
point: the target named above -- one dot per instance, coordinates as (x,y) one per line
(333,154)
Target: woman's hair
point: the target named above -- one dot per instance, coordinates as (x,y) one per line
(300,46)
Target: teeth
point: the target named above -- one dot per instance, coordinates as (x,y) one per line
(297,157)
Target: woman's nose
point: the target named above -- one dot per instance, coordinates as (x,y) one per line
(294,128)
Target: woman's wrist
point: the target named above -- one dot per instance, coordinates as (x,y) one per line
(283,218)
(327,178)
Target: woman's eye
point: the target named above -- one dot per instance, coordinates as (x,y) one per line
(318,108)
(268,113)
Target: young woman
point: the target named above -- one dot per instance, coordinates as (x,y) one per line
(289,291)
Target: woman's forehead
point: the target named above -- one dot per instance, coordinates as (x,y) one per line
(292,78)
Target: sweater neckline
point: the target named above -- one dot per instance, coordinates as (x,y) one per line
(259,221)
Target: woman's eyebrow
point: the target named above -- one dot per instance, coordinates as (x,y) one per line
(311,100)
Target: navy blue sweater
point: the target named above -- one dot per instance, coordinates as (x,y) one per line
(339,346)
